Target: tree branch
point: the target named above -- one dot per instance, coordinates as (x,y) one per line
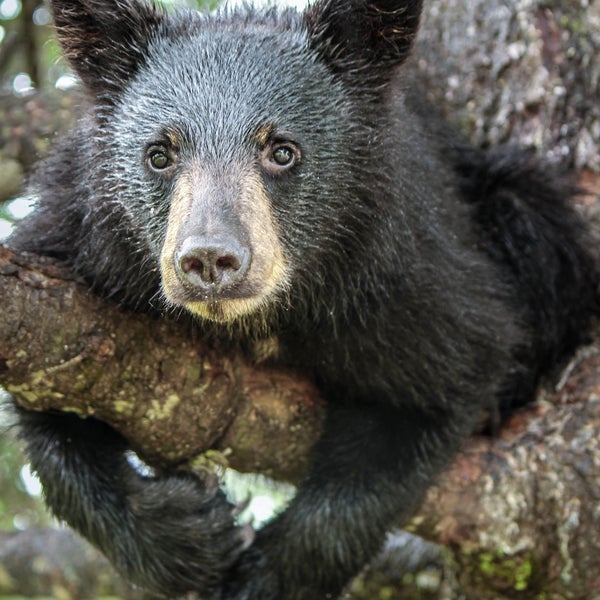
(154,380)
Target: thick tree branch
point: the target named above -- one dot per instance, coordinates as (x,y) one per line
(521,511)
(154,380)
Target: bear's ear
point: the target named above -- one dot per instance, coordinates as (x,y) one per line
(105,41)
(374,34)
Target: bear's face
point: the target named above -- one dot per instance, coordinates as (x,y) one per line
(237,146)
(227,151)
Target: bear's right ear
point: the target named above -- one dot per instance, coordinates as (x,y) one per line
(105,41)
(363,36)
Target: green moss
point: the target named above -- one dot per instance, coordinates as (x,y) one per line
(504,573)
(23,392)
(123,407)
(523,574)
(162,410)
(209,462)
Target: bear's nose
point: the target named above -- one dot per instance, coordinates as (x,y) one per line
(218,262)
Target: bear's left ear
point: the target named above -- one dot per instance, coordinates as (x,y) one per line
(375,34)
(105,41)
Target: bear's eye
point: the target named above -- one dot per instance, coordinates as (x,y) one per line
(283,156)
(279,157)
(159,158)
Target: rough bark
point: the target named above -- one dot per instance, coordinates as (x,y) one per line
(521,512)
(522,71)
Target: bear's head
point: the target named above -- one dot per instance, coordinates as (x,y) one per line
(239,143)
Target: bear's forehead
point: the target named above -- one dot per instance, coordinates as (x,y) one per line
(227,84)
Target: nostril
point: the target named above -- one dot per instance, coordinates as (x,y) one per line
(191,264)
(209,265)
(228,262)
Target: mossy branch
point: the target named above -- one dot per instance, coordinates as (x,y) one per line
(154,380)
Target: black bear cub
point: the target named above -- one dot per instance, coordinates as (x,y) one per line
(272,173)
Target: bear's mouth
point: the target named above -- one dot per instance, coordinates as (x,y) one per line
(221,304)
(184,294)
(226,311)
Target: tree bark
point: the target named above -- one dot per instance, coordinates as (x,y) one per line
(521,512)
(517,71)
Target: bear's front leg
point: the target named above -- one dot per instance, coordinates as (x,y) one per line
(370,470)
(170,534)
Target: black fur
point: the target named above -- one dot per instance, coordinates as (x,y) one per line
(424,280)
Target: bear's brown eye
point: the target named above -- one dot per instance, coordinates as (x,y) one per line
(283,156)
(159,160)
(279,157)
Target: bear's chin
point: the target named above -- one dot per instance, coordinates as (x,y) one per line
(225,311)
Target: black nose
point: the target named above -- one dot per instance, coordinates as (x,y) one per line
(216,262)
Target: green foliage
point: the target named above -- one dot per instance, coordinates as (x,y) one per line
(17,507)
